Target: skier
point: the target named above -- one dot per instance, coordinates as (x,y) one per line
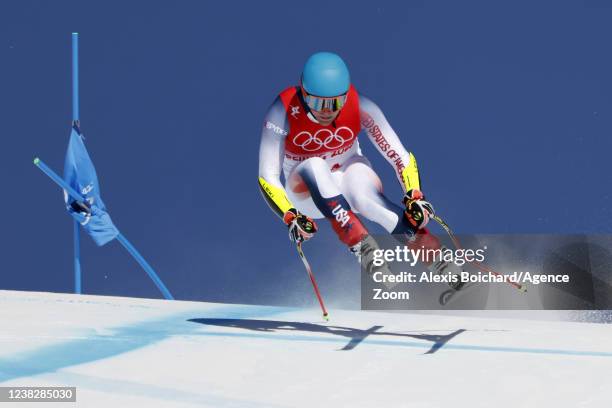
(310,132)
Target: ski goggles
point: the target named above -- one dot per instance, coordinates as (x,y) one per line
(320,103)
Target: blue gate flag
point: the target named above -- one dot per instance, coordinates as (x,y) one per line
(80,174)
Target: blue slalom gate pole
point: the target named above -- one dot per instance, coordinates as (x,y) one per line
(75,122)
(58,180)
(75,77)
(145,265)
(121,238)
(77,256)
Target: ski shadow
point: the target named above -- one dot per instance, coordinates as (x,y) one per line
(354,336)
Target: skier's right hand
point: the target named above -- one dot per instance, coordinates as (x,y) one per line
(301,227)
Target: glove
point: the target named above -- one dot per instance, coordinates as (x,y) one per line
(418,211)
(301,227)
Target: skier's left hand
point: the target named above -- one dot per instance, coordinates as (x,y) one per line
(418,210)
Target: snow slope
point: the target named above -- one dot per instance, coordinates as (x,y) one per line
(153,353)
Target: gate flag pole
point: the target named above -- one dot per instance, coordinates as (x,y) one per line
(75,123)
(82,192)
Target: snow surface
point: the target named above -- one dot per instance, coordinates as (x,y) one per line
(126,352)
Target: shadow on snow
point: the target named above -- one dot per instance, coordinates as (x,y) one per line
(355,336)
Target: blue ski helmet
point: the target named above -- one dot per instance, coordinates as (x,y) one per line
(326,75)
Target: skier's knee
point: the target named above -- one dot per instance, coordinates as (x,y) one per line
(370,203)
(359,202)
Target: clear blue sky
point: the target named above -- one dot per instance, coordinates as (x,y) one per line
(507,106)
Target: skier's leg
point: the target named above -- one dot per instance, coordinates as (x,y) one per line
(363,190)
(312,183)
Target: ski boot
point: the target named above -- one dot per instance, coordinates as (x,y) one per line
(364,251)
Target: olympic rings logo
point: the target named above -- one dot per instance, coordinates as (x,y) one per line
(324,138)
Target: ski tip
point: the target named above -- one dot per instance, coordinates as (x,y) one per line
(36,161)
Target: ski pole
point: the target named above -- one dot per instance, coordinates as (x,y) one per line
(312,279)
(478,265)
